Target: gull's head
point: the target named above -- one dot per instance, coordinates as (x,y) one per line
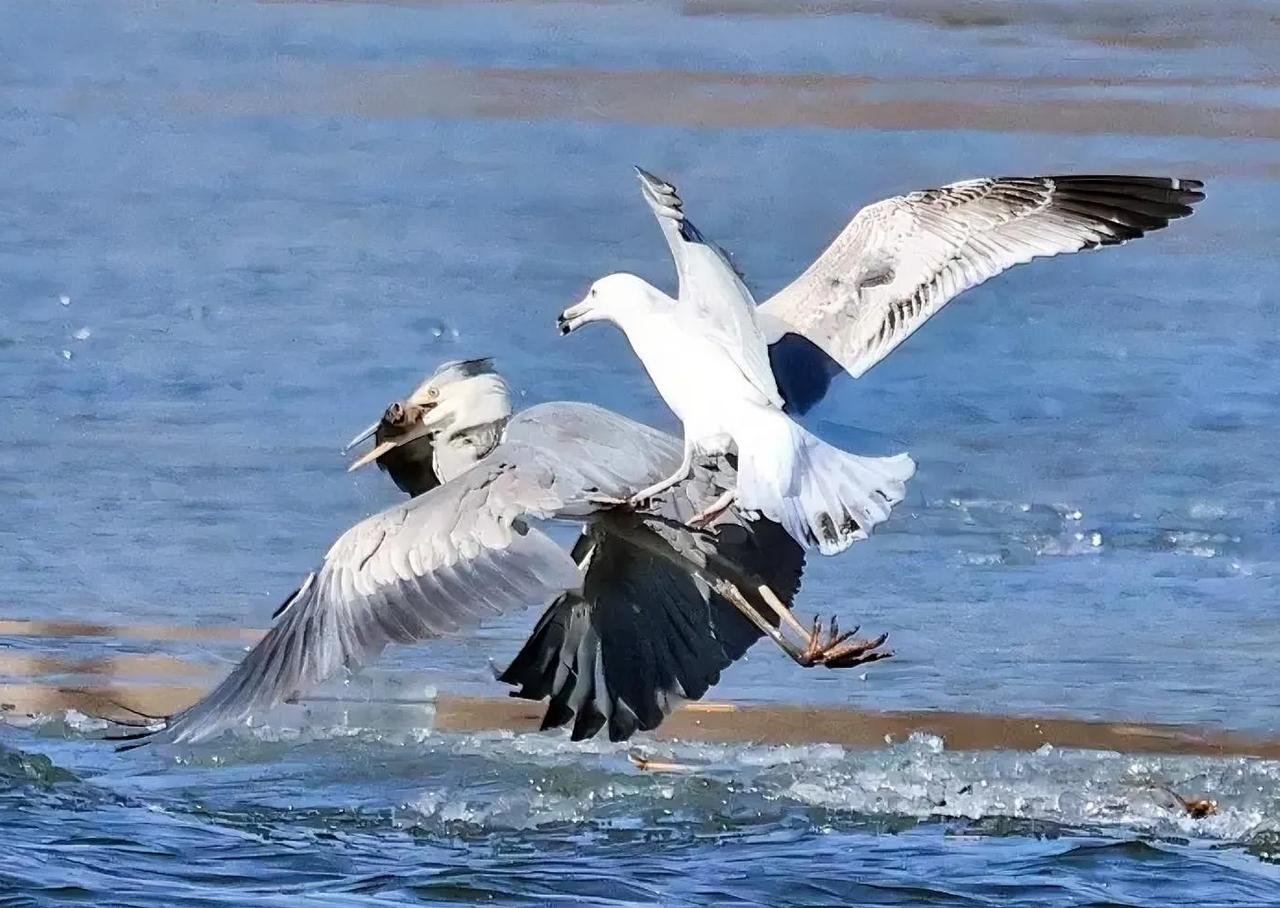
(456,397)
(609,299)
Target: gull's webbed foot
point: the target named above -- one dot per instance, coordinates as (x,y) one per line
(841,650)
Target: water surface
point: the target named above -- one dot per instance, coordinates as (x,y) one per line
(233,233)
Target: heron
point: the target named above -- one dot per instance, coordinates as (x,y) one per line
(729,369)
(466,547)
(648,624)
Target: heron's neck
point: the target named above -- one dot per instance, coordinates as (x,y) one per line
(412,466)
(456,454)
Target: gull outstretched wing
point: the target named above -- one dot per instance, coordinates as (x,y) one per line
(901,260)
(713,299)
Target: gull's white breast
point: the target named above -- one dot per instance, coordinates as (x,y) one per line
(697,378)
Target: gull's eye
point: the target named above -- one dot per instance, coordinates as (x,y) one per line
(433,393)
(593,291)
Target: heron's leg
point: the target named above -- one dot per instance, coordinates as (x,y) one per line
(715,509)
(838,648)
(779,608)
(716,582)
(734,596)
(837,652)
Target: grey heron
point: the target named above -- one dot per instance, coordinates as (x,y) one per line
(642,626)
(465,548)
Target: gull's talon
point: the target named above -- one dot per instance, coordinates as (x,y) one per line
(712,512)
(701,520)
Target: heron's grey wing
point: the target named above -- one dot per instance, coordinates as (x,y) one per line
(713,299)
(900,260)
(434,565)
(643,633)
(596,451)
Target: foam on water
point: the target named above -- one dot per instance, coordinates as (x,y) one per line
(500,781)
(348,795)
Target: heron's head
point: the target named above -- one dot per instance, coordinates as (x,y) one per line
(456,397)
(610,299)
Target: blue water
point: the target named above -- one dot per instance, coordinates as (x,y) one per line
(232,234)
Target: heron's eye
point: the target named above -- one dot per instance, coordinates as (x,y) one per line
(593,291)
(433,393)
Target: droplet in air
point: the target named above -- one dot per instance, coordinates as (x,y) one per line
(82,334)
(65,300)
(66,354)
(1096,539)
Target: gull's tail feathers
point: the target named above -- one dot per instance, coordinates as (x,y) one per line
(822,495)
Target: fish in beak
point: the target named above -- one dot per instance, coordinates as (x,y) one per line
(400,424)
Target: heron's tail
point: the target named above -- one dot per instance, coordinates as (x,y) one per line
(822,495)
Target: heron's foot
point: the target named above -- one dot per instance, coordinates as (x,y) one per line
(839,650)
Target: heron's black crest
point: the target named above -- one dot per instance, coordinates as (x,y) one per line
(464,368)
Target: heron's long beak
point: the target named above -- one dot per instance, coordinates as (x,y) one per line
(377,451)
(367,433)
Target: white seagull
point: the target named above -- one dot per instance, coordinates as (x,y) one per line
(900,260)
(707,356)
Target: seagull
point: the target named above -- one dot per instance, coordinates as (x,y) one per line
(465,548)
(707,356)
(900,260)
